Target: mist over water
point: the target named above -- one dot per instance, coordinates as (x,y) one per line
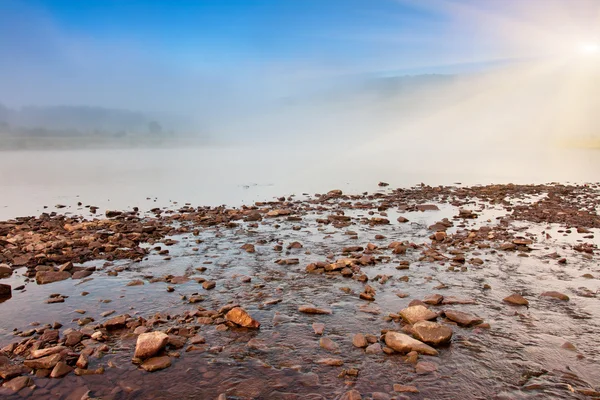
(496,93)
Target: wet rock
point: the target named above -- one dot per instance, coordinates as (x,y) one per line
(310,309)
(47,362)
(556,295)
(45,277)
(359,340)
(136,282)
(60,369)
(18,383)
(405,389)
(568,346)
(462,318)
(46,352)
(425,367)
(117,322)
(318,328)
(432,333)
(150,344)
(5,271)
(433,299)
(374,348)
(239,316)
(351,395)
(9,371)
(334,362)
(417,313)
(208,285)
(380,396)
(156,363)
(82,361)
(516,299)
(81,274)
(5,290)
(73,338)
(403,344)
(329,345)
(249,248)
(402,219)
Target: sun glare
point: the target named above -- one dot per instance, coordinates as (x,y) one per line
(589,48)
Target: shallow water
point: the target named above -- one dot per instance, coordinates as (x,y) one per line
(519,357)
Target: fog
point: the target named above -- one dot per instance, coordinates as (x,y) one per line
(294,97)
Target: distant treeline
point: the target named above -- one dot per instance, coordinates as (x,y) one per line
(76,121)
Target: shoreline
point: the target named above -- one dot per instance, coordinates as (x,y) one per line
(340,284)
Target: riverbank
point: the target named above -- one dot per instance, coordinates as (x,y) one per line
(301,298)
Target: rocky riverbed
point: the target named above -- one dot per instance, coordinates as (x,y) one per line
(427,292)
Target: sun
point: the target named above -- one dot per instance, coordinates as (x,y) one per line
(589,49)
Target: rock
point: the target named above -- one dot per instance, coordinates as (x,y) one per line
(440,236)
(150,344)
(433,299)
(359,340)
(403,343)
(318,328)
(417,313)
(568,346)
(5,290)
(18,383)
(5,271)
(425,367)
(117,322)
(380,396)
(334,362)
(135,282)
(46,352)
(329,345)
(405,389)
(44,277)
(427,207)
(432,333)
(82,274)
(82,361)
(156,363)
(239,316)
(351,395)
(310,309)
(73,338)
(556,295)
(402,220)
(208,285)
(47,362)
(248,247)
(374,348)
(68,266)
(449,300)
(60,369)
(462,318)
(516,299)
(9,371)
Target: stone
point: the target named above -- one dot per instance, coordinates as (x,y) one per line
(417,313)
(208,285)
(351,395)
(432,333)
(405,389)
(18,383)
(248,247)
(556,295)
(403,343)
(462,318)
(82,274)
(116,322)
(82,361)
(310,309)
(44,277)
(359,340)
(46,352)
(5,290)
(425,367)
(73,338)
(156,363)
(47,362)
(334,362)
(239,316)
(150,344)
(60,369)
(329,345)
(516,299)
(5,271)
(374,348)
(433,299)
(318,328)
(9,371)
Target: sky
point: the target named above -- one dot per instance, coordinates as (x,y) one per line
(185,56)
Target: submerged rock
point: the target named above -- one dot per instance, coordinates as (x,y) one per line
(310,309)
(462,318)
(239,316)
(156,363)
(432,333)
(404,344)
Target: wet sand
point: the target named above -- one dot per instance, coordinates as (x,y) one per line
(368,261)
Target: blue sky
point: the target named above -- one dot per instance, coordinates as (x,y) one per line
(137,53)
